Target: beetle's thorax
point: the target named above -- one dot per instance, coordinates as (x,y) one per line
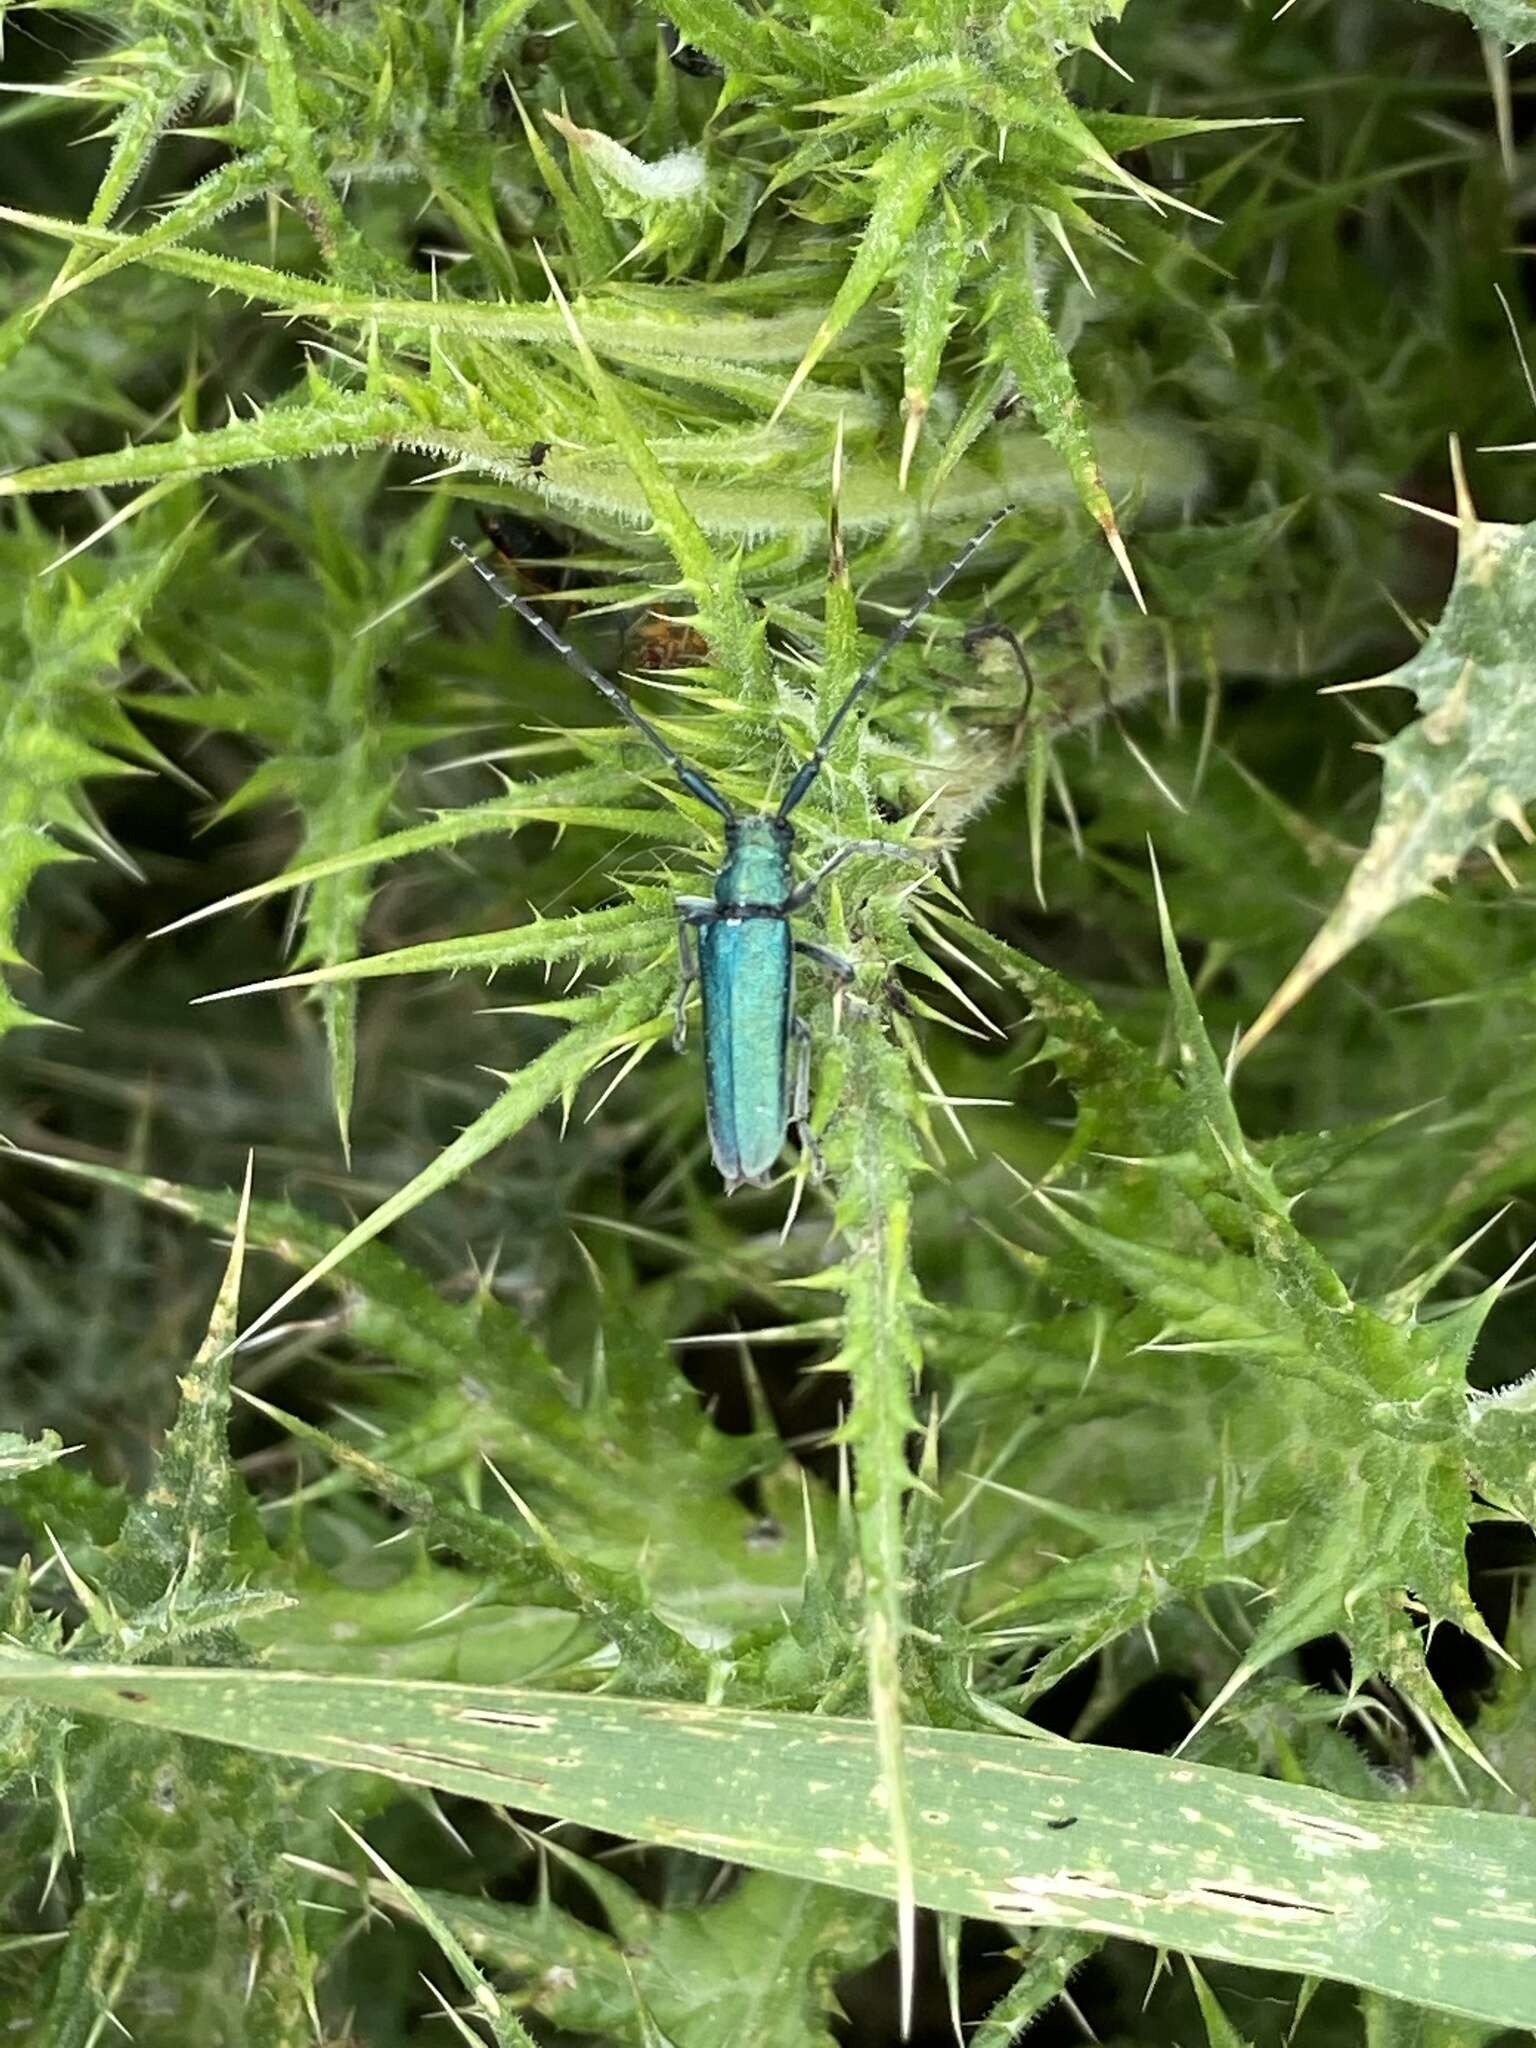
(756,872)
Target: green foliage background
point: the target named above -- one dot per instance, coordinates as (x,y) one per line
(1106,1387)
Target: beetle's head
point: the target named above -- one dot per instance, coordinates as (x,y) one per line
(760,828)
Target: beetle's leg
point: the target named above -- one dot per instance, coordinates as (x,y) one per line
(841,970)
(800,1096)
(891,849)
(687,975)
(692,911)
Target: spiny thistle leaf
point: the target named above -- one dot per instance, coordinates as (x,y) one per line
(191,1511)
(62,639)
(563,800)
(882,1355)
(139,1811)
(736,637)
(1512,21)
(904,181)
(334,754)
(1219,2030)
(1350,1418)
(624,935)
(594,1471)
(1463,769)
(1047,1967)
(655,1660)
(1026,344)
(507,2030)
(18,1454)
(599,1024)
(843,157)
(758,1965)
(337,422)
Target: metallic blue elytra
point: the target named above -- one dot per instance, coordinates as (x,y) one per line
(743,949)
(746,979)
(746,974)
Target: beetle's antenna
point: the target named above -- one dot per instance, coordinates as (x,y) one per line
(692,780)
(808,770)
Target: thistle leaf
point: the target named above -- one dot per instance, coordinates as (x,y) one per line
(60,723)
(1512,21)
(1460,771)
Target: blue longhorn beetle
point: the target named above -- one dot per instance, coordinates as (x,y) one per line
(742,951)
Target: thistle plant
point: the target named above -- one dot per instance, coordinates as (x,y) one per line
(1078,1514)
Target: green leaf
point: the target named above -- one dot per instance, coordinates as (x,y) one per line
(904,180)
(1345,1416)
(507,2030)
(1027,345)
(882,1355)
(1219,2030)
(18,1455)
(1047,1967)
(604,1024)
(1461,770)
(758,1965)
(928,313)
(1171,1853)
(1513,21)
(60,724)
(138,1809)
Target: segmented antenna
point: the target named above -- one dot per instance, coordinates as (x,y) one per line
(692,780)
(808,770)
